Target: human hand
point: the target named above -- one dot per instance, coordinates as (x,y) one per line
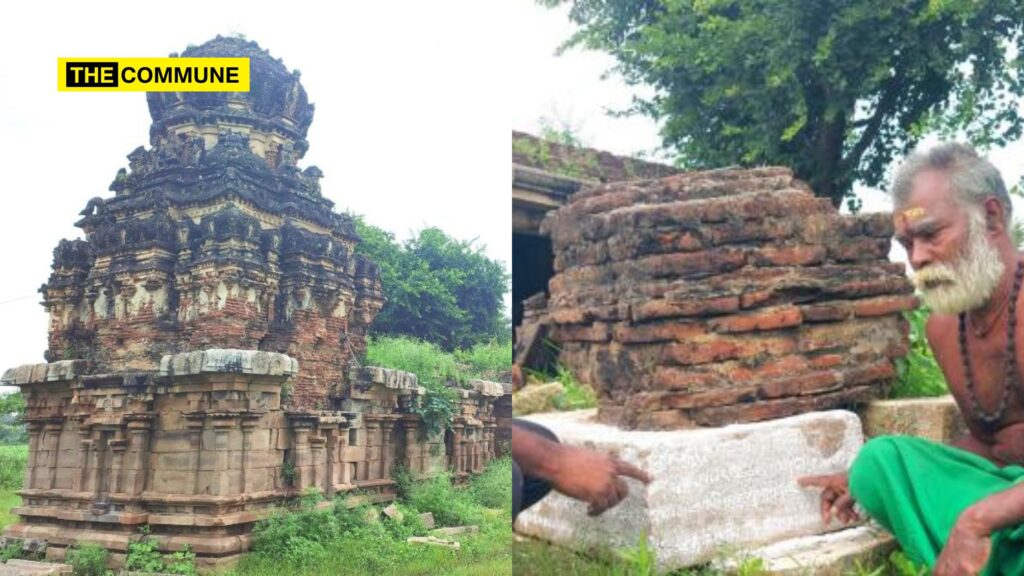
(594,477)
(967,550)
(835,496)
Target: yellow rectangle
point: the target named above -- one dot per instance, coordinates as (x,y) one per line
(153,74)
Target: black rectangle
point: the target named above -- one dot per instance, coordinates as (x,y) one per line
(90,74)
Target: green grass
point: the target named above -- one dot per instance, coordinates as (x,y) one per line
(12,466)
(339,540)
(12,473)
(535,558)
(8,499)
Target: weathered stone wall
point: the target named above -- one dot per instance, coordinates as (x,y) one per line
(202,448)
(725,296)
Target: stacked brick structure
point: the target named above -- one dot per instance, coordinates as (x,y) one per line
(204,338)
(726,296)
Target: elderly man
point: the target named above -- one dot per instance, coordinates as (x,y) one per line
(958,508)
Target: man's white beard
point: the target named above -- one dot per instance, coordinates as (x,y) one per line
(967,283)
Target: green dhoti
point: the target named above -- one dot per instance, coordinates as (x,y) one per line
(917,489)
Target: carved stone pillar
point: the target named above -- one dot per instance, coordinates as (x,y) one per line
(316,448)
(117,447)
(34,429)
(249,423)
(52,430)
(221,482)
(372,450)
(386,449)
(302,453)
(138,453)
(413,449)
(196,422)
(457,448)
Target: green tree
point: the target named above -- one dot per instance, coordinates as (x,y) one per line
(12,412)
(833,88)
(438,289)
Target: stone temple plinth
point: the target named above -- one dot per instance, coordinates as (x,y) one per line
(710,298)
(204,341)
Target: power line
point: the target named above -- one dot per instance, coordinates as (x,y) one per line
(19,299)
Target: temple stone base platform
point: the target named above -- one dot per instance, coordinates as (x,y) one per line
(715,491)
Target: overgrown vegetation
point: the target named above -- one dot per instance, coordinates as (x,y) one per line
(438,371)
(571,158)
(13,460)
(535,558)
(88,560)
(341,540)
(575,396)
(438,289)
(918,374)
(144,556)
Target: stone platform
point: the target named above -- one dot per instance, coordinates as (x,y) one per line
(715,490)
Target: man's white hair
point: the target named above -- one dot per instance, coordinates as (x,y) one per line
(972,177)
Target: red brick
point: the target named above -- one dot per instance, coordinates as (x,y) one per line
(802,384)
(798,255)
(675,308)
(673,378)
(826,312)
(597,332)
(766,319)
(726,348)
(884,306)
(878,372)
(719,397)
(825,361)
(658,332)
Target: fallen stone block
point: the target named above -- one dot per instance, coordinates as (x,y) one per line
(536,398)
(937,419)
(431,541)
(835,554)
(453,530)
(716,489)
(32,568)
(428,520)
(392,511)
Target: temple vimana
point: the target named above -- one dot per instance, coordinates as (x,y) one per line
(205,337)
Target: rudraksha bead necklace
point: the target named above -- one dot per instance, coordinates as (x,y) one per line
(1009,362)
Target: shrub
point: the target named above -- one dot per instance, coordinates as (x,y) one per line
(182,562)
(918,374)
(493,488)
(450,507)
(88,560)
(143,555)
(490,361)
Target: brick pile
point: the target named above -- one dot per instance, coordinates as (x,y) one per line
(724,296)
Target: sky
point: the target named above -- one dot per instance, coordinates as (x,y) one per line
(411,126)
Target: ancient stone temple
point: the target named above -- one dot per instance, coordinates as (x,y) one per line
(727,296)
(205,335)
